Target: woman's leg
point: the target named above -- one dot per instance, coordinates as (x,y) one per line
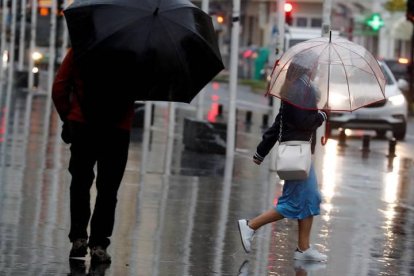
(305,226)
(269,216)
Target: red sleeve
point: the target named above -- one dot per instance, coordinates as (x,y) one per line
(63,86)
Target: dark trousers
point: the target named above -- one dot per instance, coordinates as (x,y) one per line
(108,148)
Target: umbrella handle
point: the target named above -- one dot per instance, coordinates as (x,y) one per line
(324,139)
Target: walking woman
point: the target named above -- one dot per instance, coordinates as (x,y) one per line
(300,199)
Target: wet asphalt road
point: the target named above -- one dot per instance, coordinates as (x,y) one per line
(183,221)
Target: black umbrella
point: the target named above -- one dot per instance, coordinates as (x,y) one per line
(159,50)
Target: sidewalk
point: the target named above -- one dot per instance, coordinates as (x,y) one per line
(184,222)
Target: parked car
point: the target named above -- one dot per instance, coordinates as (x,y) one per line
(399,67)
(388,115)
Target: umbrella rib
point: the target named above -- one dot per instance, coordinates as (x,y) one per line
(346,76)
(185,27)
(175,48)
(372,71)
(329,65)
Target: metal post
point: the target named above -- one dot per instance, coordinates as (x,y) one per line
(22,37)
(170,138)
(342,138)
(326,17)
(280,48)
(33,26)
(52,46)
(391,147)
(146,139)
(3,36)
(265,120)
(220,110)
(365,143)
(248,117)
(231,125)
(200,102)
(65,36)
(12,41)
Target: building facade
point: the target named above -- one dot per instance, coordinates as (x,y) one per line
(349,18)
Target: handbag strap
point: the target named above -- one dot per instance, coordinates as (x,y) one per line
(281,125)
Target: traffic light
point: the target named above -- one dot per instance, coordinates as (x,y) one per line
(288,13)
(220,19)
(410,10)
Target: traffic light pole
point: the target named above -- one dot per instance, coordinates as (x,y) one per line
(280,48)
(231,123)
(326,17)
(200,101)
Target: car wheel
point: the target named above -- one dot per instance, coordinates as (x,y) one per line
(399,131)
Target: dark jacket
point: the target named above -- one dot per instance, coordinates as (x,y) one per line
(298,124)
(67,94)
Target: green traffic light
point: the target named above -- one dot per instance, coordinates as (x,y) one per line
(375,22)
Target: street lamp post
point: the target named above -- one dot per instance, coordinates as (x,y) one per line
(231,123)
(200,102)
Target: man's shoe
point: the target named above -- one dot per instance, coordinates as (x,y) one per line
(77,267)
(310,254)
(99,255)
(246,235)
(79,248)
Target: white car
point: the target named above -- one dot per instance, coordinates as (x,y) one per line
(389,115)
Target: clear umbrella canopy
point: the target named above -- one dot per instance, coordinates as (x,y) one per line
(338,74)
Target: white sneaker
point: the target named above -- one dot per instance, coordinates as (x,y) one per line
(246,235)
(310,254)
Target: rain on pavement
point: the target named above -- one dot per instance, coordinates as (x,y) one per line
(183,221)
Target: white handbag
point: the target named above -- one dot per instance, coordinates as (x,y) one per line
(293,160)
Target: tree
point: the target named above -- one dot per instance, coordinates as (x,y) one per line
(395,5)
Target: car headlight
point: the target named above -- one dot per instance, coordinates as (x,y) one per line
(397,99)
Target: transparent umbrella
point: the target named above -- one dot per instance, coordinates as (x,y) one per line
(330,74)
(342,75)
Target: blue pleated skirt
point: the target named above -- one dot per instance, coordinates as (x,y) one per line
(300,198)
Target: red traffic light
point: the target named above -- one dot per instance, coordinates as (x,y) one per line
(288,13)
(288,7)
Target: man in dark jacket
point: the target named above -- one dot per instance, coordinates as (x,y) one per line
(104,144)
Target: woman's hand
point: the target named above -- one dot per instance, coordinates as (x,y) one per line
(257,159)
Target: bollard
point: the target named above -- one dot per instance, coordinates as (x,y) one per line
(365,143)
(391,147)
(248,117)
(265,120)
(220,110)
(342,138)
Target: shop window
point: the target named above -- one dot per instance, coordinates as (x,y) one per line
(301,22)
(316,22)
